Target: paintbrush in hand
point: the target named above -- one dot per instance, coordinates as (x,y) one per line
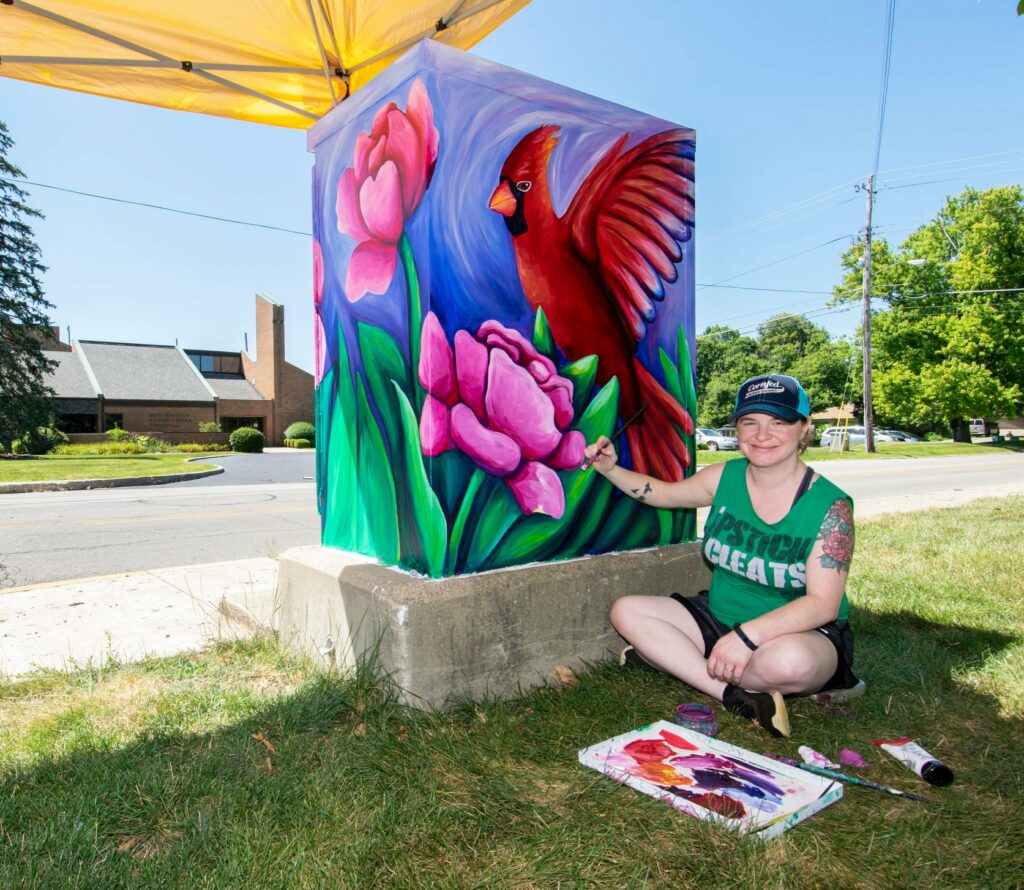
(621,430)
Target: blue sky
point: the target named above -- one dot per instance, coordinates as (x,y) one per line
(783,96)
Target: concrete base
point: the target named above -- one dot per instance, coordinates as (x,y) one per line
(495,633)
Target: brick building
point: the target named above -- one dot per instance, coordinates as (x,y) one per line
(169,390)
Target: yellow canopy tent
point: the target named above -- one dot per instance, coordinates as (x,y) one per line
(280,62)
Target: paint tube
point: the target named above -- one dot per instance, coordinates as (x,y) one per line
(912,755)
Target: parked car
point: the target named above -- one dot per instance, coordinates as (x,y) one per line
(856,435)
(714,440)
(900,436)
(978,426)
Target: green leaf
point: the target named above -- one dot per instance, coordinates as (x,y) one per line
(384,364)
(323,425)
(685,363)
(458,527)
(345,520)
(542,339)
(499,512)
(582,374)
(376,484)
(621,518)
(534,537)
(427,513)
(671,374)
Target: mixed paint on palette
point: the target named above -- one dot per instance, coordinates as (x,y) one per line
(712,779)
(503,271)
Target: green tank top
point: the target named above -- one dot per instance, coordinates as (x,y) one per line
(759,566)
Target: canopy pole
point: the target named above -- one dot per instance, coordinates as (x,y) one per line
(154,63)
(323,55)
(183,64)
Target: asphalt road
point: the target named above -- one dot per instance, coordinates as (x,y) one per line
(50,536)
(292,465)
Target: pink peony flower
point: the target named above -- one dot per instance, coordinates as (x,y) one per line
(503,405)
(391,170)
(319,334)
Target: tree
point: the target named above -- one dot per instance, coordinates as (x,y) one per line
(24,396)
(785,344)
(950,343)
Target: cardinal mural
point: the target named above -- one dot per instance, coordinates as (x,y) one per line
(452,412)
(600,269)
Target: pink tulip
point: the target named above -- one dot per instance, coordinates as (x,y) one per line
(392,167)
(319,335)
(503,405)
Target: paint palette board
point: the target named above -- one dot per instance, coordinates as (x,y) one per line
(711,779)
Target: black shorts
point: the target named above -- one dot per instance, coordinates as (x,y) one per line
(838,632)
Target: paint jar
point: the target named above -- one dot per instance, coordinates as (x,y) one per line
(698,717)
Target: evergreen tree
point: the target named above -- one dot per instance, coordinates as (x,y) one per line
(24,324)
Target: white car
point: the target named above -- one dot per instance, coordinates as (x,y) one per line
(714,440)
(856,435)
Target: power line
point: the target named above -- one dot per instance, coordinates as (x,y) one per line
(236,222)
(960,170)
(773,263)
(890,17)
(994,154)
(909,185)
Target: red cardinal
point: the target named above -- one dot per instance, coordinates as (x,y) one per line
(597,270)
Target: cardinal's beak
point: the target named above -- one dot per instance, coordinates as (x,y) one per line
(502,200)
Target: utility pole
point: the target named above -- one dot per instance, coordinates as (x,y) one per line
(865,323)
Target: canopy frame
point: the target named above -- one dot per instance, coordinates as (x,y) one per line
(331,64)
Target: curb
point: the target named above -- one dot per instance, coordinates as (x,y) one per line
(85,484)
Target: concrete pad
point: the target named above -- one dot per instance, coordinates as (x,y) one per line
(133,616)
(494,633)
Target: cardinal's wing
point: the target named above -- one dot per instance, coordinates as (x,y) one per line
(630,217)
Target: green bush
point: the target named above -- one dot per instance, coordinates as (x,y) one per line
(42,440)
(116,434)
(301,429)
(100,448)
(247,439)
(209,426)
(196,447)
(298,443)
(150,444)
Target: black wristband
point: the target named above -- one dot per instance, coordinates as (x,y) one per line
(749,643)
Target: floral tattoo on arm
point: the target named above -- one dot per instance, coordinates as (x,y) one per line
(641,494)
(836,537)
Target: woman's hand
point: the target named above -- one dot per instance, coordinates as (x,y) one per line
(728,659)
(601,455)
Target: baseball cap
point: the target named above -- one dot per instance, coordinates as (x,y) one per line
(775,394)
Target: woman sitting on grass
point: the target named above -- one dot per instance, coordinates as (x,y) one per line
(779,539)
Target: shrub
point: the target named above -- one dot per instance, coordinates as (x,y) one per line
(42,440)
(100,448)
(196,447)
(247,439)
(209,426)
(301,429)
(934,437)
(298,443)
(151,444)
(116,434)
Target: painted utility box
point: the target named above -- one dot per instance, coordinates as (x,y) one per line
(503,272)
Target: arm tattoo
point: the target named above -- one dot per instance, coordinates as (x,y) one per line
(836,536)
(641,494)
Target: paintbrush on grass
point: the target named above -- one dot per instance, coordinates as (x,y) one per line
(615,437)
(851,780)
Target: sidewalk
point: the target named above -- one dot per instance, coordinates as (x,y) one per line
(132,616)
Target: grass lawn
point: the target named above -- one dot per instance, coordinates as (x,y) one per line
(886,450)
(100,466)
(241,767)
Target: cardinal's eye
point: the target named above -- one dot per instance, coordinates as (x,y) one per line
(524,185)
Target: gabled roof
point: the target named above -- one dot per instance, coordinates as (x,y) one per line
(138,372)
(69,379)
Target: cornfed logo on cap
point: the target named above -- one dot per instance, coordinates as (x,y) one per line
(763,388)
